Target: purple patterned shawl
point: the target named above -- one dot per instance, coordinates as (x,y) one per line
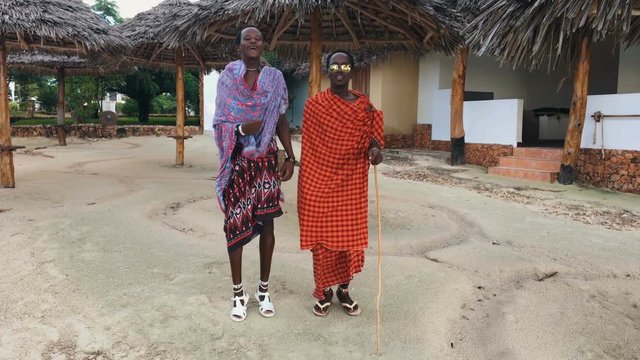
(237,104)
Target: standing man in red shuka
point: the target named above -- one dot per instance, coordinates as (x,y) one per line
(342,136)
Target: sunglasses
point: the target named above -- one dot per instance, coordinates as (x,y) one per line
(345,68)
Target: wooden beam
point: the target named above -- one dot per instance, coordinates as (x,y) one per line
(347,42)
(214,34)
(457,106)
(196,55)
(315,61)
(62,49)
(388,24)
(283,25)
(635,12)
(62,141)
(212,29)
(7,177)
(342,14)
(577,114)
(180,108)
(426,39)
(158,50)
(201,99)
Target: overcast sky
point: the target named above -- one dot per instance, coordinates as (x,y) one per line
(129,8)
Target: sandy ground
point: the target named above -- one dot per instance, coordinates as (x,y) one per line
(107,251)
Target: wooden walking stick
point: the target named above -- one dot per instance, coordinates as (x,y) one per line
(379,294)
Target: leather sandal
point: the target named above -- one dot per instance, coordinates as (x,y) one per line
(320,309)
(349,305)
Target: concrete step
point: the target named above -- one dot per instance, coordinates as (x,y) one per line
(533,175)
(538,153)
(530,163)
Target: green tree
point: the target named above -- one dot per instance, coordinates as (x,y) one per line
(192,90)
(29,85)
(80,96)
(108,10)
(48,96)
(164,104)
(144,85)
(273,59)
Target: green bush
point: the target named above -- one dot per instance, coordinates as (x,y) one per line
(119,108)
(130,108)
(86,113)
(48,98)
(14,106)
(163,104)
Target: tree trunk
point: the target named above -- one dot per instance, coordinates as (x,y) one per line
(7,177)
(201,103)
(315,60)
(62,141)
(457,106)
(576,114)
(144,107)
(180,109)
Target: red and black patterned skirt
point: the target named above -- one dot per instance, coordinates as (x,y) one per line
(251,196)
(334,267)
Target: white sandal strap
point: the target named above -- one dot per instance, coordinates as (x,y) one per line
(239,311)
(350,306)
(322,306)
(266,307)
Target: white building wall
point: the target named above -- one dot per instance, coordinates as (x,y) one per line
(210,91)
(619,133)
(428,86)
(485,122)
(537,88)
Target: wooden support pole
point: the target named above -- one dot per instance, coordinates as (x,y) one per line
(315,61)
(201,96)
(577,114)
(7,177)
(457,106)
(62,140)
(180,110)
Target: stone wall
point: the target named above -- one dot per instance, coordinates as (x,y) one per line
(99,131)
(440,145)
(398,141)
(618,170)
(486,154)
(475,154)
(422,136)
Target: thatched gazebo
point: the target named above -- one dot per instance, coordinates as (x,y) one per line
(51,25)
(536,33)
(62,65)
(153,45)
(296,29)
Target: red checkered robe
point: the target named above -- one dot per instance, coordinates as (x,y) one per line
(333,184)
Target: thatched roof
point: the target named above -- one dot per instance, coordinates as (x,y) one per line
(532,33)
(48,64)
(420,25)
(57,25)
(149,32)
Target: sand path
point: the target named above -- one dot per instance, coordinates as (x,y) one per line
(107,251)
